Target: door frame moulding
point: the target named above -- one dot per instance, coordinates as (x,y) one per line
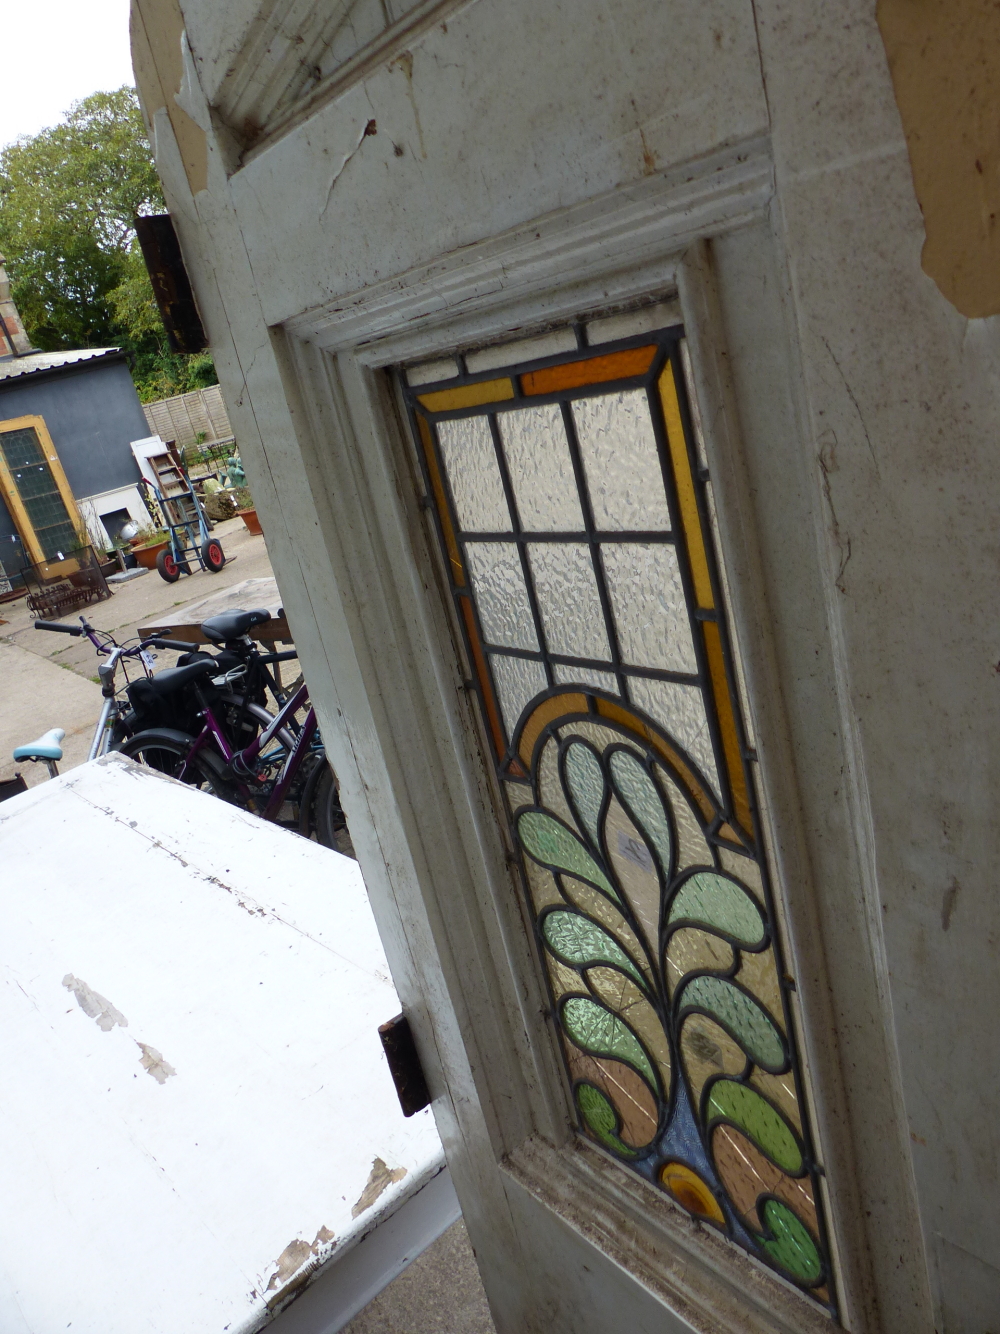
(268,90)
(711,1284)
(550,269)
(634,244)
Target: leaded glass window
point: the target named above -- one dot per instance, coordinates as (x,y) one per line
(575,515)
(30,473)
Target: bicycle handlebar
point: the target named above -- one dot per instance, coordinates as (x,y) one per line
(59,628)
(172,643)
(278,657)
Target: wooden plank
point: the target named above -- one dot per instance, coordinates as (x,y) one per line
(273,631)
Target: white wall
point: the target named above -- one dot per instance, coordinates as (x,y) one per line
(93,508)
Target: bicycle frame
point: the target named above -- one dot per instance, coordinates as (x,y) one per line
(244,760)
(115,653)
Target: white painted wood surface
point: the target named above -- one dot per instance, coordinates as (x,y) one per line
(195,1108)
(536,161)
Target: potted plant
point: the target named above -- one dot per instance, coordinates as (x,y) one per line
(147,545)
(245,509)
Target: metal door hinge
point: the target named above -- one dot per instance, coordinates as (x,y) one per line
(404,1065)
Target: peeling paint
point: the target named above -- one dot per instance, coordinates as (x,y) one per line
(944,58)
(153,1063)
(94,1005)
(159,29)
(378,1179)
(296,1254)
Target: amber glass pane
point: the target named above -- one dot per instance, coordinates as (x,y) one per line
(595,370)
(467,396)
(727,724)
(684,482)
(444,513)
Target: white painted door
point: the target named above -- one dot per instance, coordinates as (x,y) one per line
(493,293)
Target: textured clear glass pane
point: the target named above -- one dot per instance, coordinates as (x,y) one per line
(501,595)
(566,588)
(621,462)
(470,461)
(518,681)
(647,319)
(525,349)
(680,711)
(429,372)
(649,607)
(585,676)
(541,470)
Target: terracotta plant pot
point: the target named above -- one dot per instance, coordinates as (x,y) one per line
(146,556)
(249,517)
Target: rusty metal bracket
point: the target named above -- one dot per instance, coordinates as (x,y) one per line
(171,284)
(404,1065)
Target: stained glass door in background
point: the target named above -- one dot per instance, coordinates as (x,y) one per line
(32,478)
(574,509)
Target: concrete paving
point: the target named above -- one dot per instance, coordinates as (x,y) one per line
(39,694)
(440,1293)
(51,680)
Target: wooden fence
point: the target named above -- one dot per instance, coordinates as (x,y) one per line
(187,416)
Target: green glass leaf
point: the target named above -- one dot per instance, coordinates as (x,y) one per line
(790,1246)
(601,1033)
(759,1121)
(600,1117)
(579,941)
(741,1015)
(552,844)
(718,903)
(643,796)
(586,785)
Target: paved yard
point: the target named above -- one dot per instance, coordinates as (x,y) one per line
(51,680)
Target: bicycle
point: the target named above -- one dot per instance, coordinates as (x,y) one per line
(112,725)
(284,760)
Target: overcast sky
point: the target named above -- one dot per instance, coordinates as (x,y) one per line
(54,53)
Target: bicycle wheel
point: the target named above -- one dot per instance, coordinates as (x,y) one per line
(328,818)
(165,751)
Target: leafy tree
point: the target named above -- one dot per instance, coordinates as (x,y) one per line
(68,197)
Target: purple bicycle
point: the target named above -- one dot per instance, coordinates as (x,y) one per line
(205,723)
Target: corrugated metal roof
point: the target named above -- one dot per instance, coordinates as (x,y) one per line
(34,362)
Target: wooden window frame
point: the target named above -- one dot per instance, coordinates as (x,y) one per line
(11,495)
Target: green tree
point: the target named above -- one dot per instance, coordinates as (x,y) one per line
(68,197)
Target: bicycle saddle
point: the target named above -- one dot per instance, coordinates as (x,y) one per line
(47,747)
(165,683)
(232,624)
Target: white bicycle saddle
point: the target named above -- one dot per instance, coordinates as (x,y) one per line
(47,747)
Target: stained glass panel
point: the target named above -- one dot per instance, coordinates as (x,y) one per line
(583,527)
